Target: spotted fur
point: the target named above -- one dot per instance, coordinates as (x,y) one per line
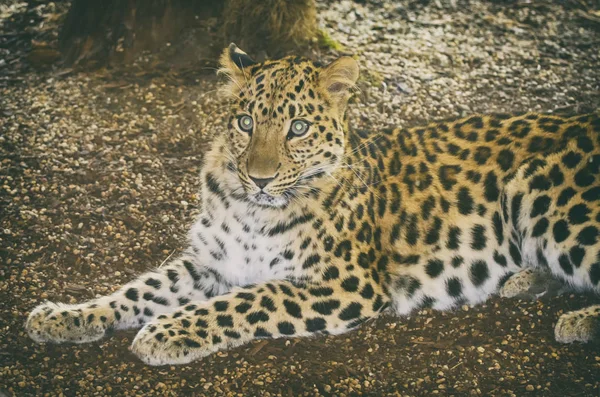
(317,232)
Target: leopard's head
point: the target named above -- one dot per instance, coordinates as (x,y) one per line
(285,131)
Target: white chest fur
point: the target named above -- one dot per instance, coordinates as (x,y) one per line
(232,241)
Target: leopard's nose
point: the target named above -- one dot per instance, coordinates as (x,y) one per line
(261,182)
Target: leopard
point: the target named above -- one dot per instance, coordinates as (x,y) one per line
(310,227)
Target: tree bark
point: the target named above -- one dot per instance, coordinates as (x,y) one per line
(101,31)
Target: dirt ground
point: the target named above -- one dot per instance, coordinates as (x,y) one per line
(98,182)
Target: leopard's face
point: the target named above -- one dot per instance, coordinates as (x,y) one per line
(285,130)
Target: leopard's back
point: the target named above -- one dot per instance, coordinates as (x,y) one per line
(460,206)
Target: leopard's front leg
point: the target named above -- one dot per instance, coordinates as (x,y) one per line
(272,310)
(160,291)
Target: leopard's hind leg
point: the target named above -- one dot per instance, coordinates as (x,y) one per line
(579,326)
(552,209)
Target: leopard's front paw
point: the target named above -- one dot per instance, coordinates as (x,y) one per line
(170,341)
(52,322)
(579,326)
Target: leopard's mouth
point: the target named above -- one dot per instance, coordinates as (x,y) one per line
(266,200)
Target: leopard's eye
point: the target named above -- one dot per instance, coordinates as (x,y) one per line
(245,123)
(298,128)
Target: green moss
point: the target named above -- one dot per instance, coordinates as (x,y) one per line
(371,77)
(326,41)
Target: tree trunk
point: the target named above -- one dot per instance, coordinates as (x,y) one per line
(276,27)
(101,31)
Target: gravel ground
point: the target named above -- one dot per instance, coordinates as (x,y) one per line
(98,182)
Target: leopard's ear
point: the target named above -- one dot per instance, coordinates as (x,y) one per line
(235,64)
(338,78)
(235,59)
